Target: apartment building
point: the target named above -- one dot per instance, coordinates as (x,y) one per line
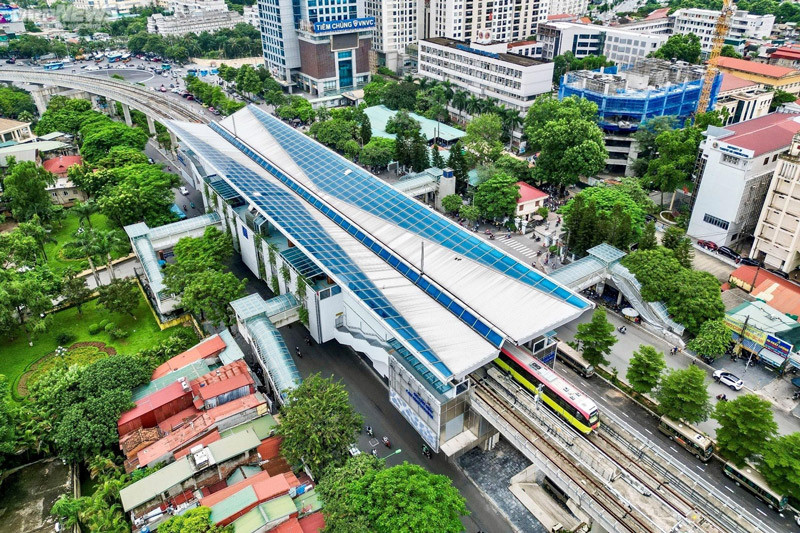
(624,47)
(742,99)
(777,235)
(701,22)
(573,7)
(194,22)
(485,20)
(113,7)
(735,169)
(486,70)
(185,7)
(398,24)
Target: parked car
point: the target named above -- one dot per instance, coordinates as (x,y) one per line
(189,97)
(726,378)
(184,191)
(163,89)
(727,252)
(11,60)
(649,218)
(777,272)
(749,261)
(708,245)
(217,112)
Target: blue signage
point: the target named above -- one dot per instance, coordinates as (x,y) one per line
(548,358)
(778,346)
(425,406)
(344,25)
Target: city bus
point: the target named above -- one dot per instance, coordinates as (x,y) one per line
(688,437)
(573,359)
(749,478)
(54,65)
(113,58)
(165,66)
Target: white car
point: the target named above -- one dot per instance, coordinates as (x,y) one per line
(184,191)
(726,378)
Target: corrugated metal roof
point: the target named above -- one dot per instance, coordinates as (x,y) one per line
(233,504)
(250,521)
(159,481)
(234,445)
(190,372)
(262,426)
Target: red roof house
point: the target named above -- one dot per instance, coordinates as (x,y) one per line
(152,409)
(773,290)
(530,200)
(764,134)
(59,165)
(208,349)
(313,523)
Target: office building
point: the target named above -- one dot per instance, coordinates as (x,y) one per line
(701,22)
(573,7)
(734,173)
(487,71)
(112,7)
(652,88)
(485,21)
(777,235)
(313,224)
(398,24)
(624,47)
(185,7)
(742,99)
(195,22)
(769,76)
(322,45)
(658,22)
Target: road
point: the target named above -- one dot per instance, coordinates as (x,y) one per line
(369,395)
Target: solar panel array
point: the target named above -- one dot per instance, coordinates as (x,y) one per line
(363,190)
(287,211)
(305,266)
(398,264)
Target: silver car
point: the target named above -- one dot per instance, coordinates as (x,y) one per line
(726,378)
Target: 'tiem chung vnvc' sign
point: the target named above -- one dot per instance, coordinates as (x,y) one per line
(344,25)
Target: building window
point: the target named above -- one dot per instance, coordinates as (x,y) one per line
(733,160)
(766,160)
(714,221)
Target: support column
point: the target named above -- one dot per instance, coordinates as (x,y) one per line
(173,142)
(112,107)
(151,125)
(40,100)
(127,112)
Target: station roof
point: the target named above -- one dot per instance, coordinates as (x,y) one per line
(454,308)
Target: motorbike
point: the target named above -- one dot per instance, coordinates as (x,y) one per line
(426,452)
(370,432)
(374,452)
(297,352)
(722,398)
(622,329)
(386,442)
(796,396)
(491,236)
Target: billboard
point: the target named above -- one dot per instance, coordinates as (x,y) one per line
(330,26)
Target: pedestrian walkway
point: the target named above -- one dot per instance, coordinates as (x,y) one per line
(516,245)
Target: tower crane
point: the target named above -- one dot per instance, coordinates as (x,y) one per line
(720,31)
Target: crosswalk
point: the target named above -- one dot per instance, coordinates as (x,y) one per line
(518,246)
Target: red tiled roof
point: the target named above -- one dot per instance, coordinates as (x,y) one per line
(561,16)
(270,448)
(290,526)
(266,487)
(785,53)
(764,134)
(152,402)
(179,419)
(224,379)
(731,83)
(214,499)
(59,165)
(208,348)
(313,523)
(761,69)
(658,14)
(198,428)
(528,193)
(235,406)
(519,43)
(775,291)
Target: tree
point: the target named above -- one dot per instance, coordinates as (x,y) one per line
(85,210)
(781,463)
(682,47)
(672,236)
(364,496)
(16,103)
(39,232)
(683,395)
(603,214)
(401,95)
(482,140)
(197,520)
(75,291)
(25,190)
(452,203)
(676,153)
(596,338)
(712,340)
(209,292)
(566,135)
(695,299)
(108,243)
(645,369)
(120,296)
(497,197)
(646,141)
(98,141)
(122,156)
(729,51)
(436,157)
(319,423)
(648,239)
(676,240)
(377,153)
(779,98)
(470,213)
(458,163)
(140,192)
(86,242)
(745,426)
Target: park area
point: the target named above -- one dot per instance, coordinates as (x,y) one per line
(62,254)
(23,364)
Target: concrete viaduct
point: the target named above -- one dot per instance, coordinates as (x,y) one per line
(156,107)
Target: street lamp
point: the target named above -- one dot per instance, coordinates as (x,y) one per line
(398,450)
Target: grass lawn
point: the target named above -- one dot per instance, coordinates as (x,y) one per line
(17,355)
(65,234)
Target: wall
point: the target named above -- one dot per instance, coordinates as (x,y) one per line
(247,246)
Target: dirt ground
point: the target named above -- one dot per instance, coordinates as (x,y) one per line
(27,494)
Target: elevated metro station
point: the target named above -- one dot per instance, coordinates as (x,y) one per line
(424,299)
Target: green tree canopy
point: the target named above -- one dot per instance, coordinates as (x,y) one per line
(779,98)
(646,137)
(646,367)
(402,498)
(197,520)
(377,153)
(452,203)
(139,192)
(319,424)
(712,340)
(596,338)
(648,239)
(15,103)
(781,463)
(497,197)
(207,293)
(482,141)
(25,190)
(683,395)
(746,424)
(120,296)
(729,51)
(682,47)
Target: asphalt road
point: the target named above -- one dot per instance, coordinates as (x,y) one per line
(370,397)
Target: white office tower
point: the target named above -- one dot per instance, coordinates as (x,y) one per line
(398,24)
(572,7)
(701,22)
(486,21)
(186,7)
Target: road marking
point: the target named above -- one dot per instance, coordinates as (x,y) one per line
(730,489)
(700,468)
(673,449)
(647,430)
(762,512)
(625,415)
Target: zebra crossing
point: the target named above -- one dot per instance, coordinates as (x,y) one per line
(518,246)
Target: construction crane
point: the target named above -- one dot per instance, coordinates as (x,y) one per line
(720,32)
